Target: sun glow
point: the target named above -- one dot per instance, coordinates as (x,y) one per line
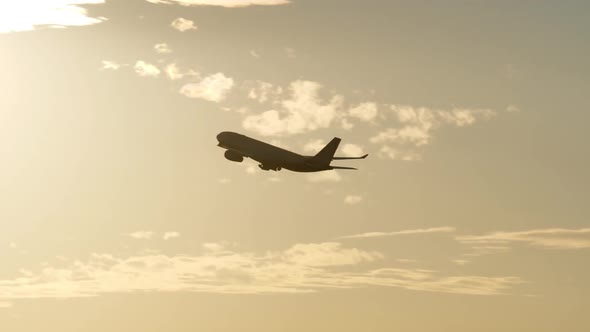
(23,15)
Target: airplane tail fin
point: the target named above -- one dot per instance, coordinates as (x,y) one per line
(324,157)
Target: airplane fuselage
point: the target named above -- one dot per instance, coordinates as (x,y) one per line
(269,156)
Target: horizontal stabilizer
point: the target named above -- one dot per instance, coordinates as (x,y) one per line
(342,167)
(347,158)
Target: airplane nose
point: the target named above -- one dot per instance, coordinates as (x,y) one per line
(221,135)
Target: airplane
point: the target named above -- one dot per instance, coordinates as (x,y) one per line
(270,157)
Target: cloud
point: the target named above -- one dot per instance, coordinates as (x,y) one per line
(170,235)
(388,152)
(290,52)
(264,92)
(5,305)
(351,150)
(405,260)
(217,246)
(254,54)
(352,199)
(550,238)
(512,109)
(364,111)
(460,261)
(142,235)
(223,3)
(173,72)
(250,169)
(183,24)
(110,65)
(415,128)
(24,15)
(213,88)
(162,48)
(314,146)
(412,135)
(324,176)
(462,117)
(302,268)
(303,111)
(328,254)
(481,250)
(346,125)
(445,229)
(145,69)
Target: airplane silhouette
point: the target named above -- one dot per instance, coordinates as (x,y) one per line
(270,157)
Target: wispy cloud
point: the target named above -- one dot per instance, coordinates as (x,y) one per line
(415,127)
(290,52)
(183,24)
(482,250)
(162,48)
(170,235)
(264,91)
(145,69)
(110,65)
(550,238)
(303,107)
(223,3)
(302,268)
(23,15)
(173,72)
(314,146)
(302,111)
(389,152)
(325,176)
(460,261)
(251,169)
(445,229)
(405,260)
(221,246)
(254,54)
(213,88)
(142,235)
(364,111)
(351,150)
(353,199)
(512,109)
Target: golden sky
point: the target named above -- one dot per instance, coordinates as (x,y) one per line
(118,212)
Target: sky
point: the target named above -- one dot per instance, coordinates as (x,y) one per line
(118,211)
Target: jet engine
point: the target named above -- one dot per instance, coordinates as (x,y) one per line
(233,156)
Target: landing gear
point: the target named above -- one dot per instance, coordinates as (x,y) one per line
(268,168)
